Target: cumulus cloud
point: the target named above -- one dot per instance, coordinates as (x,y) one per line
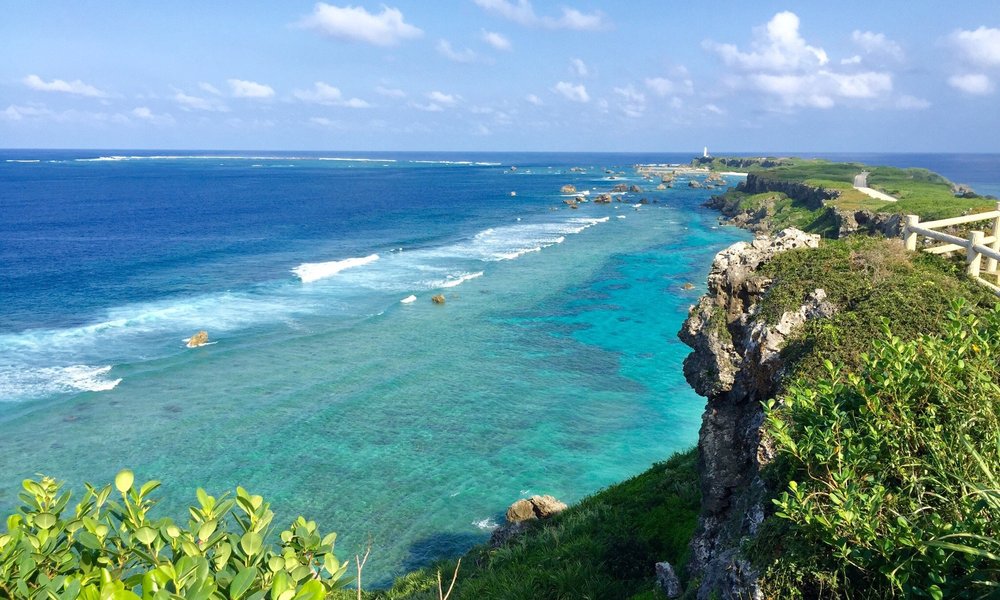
(143,113)
(576,93)
(776,47)
(523,12)
(976,84)
(324,93)
(354,23)
(579,68)
(979,46)
(390,92)
(188,103)
(633,101)
(877,44)
(498,41)
(789,72)
(18,113)
(241,88)
(533,99)
(663,87)
(907,102)
(461,56)
(76,87)
(211,89)
(443,98)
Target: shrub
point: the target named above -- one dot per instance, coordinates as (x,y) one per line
(110,548)
(890,471)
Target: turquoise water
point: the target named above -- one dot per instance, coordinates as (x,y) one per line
(553,367)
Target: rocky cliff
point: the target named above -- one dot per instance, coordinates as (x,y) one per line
(814,197)
(736,364)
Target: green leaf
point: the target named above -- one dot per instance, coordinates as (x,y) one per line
(242,582)
(146,535)
(935,592)
(207,529)
(89,540)
(312,590)
(124,480)
(45,520)
(251,542)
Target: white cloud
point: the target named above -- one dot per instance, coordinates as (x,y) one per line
(442,98)
(325,122)
(249,89)
(907,102)
(822,89)
(523,12)
(188,102)
(211,89)
(576,93)
(498,41)
(143,113)
(17,113)
(461,56)
(854,60)
(776,47)
(663,87)
(877,43)
(354,23)
(975,84)
(715,110)
(429,107)
(579,67)
(633,101)
(390,92)
(533,99)
(67,87)
(979,46)
(324,93)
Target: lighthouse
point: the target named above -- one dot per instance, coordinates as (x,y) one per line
(705,152)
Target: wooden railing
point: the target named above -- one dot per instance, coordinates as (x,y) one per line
(978,246)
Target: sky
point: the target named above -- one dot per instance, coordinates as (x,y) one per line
(502,75)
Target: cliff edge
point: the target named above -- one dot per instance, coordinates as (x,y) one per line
(736,364)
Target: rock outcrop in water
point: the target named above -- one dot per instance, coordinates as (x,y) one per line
(736,364)
(521,512)
(198,339)
(569,188)
(437,299)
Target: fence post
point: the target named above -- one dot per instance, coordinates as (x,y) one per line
(991,263)
(973,257)
(910,236)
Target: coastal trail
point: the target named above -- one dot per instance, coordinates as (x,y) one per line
(861,184)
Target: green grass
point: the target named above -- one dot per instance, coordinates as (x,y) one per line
(868,279)
(920,192)
(605,546)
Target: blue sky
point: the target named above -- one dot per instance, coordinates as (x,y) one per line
(643,75)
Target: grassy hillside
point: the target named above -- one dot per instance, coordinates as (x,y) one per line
(919,191)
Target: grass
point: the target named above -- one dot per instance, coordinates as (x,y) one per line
(920,192)
(605,546)
(868,279)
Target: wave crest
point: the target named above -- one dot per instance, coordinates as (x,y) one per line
(309,272)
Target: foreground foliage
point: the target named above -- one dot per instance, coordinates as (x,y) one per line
(109,547)
(892,470)
(606,546)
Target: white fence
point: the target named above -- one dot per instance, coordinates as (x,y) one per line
(978,246)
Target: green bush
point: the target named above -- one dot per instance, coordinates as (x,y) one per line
(110,548)
(891,471)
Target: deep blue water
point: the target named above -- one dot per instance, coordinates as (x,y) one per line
(553,366)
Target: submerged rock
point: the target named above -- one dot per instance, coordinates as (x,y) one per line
(569,188)
(198,339)
(437,299)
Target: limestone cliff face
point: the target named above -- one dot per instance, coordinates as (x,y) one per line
(736,364)
(814,197)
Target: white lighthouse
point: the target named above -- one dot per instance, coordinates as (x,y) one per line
(705,152)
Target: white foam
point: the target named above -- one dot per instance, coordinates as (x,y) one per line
(25,384)
(451,281)
(487,524)
(309,272)
(22,160)
(408,299)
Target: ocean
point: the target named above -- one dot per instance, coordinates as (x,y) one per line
(553,366)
